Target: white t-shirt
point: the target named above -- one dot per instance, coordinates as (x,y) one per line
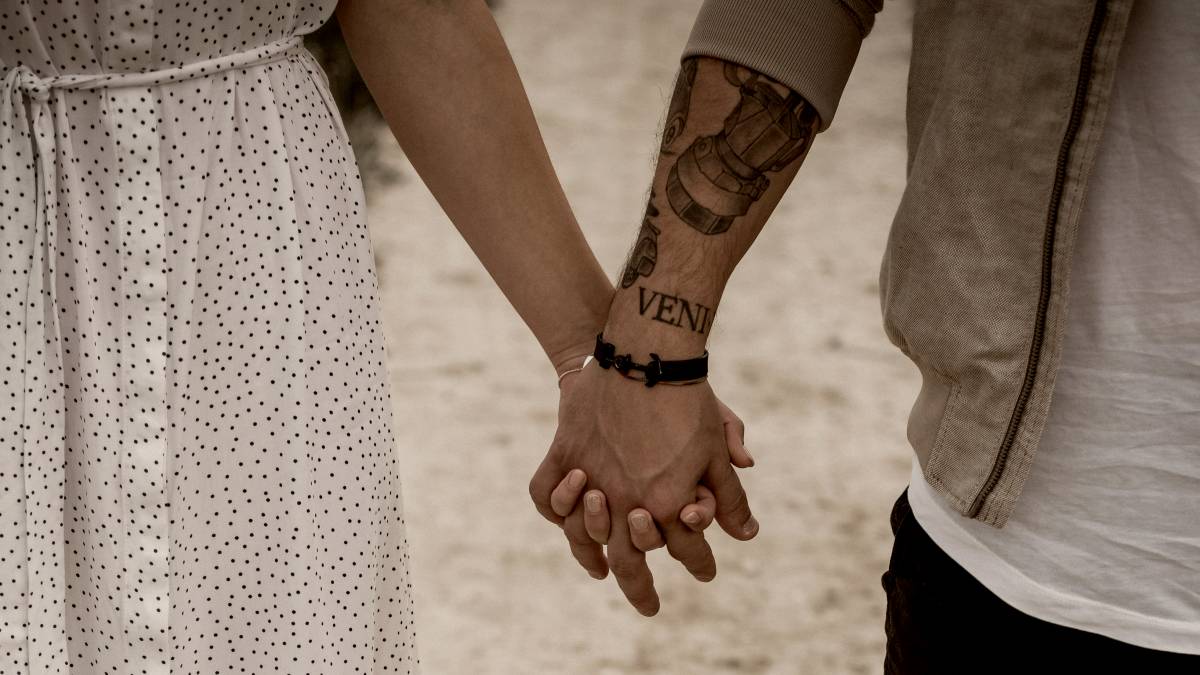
(1106,534)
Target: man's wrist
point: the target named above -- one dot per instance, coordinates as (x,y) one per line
(639,337)
(656,370)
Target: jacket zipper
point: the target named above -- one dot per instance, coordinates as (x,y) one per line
(1039,326)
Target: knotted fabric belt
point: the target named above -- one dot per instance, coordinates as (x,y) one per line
(32,389)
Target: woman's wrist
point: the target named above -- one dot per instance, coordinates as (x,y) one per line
(574,361)
(578,338)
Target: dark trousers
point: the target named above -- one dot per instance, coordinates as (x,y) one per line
(941,620)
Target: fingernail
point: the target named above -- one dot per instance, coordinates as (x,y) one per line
(592,503)
(576,479)
(750,527)
(639,522)
(692,517)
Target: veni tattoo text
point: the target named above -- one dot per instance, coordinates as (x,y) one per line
(718,177)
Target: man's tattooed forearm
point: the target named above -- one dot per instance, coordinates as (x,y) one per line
(681,102)
(645,252)
(674,310)
(717,178)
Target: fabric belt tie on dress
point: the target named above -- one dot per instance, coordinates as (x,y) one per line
(32,389)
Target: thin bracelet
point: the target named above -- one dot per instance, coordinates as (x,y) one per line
(587,359)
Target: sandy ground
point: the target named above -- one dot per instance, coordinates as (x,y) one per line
(798,351)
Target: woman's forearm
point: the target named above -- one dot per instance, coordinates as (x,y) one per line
(446,84)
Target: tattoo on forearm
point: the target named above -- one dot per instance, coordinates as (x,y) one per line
(645,252)
(674,310)
(717,178)
(681,102)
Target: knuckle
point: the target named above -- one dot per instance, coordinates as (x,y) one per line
(700,566)
(578,538)
(663,505)
(677,554)
(737,504)
(535,492)
(548,514)
(575,531)
(583,554)
(595,523)
(649,544)
(682,549)
(586,562)
(623,568)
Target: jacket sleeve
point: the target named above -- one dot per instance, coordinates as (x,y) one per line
(808,45)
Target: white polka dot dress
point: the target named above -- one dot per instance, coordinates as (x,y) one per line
(197,471)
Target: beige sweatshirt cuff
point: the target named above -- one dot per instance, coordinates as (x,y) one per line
(808,45)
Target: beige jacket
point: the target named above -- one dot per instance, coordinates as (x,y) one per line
(1006,102)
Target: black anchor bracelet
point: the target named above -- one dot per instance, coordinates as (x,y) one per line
(687,371)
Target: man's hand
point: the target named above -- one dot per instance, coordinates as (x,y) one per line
(643,447)
(597,520)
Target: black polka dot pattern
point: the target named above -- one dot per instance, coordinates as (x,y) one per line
(197,469)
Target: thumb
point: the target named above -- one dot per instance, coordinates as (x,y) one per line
(733,509)
(735,437)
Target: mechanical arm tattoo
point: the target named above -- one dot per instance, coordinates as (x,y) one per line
(645,252)
(681,102)
(718,178)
